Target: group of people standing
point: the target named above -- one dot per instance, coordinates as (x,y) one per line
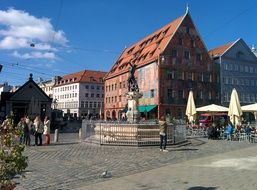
(36,128)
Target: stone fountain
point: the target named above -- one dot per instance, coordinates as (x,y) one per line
(133,96)
(131,132)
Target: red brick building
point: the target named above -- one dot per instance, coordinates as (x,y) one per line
(169,62)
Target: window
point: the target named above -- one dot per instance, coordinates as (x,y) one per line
(92,95)
(192,43)
(187,30)
(180,41)
(94,104)
(115,86)
(169,93)
(152,93)
(236,67)
(90,104)
(210,96)
(181,94)
(115,99)
(199,57)
(174,53)
(187,55)
(86,104)
(120,84)
(98,95)
(180,75)
(119,98)
(82,104)
(201,94)
(99,104)
(92,87)
(190,76)
(86,95)
(246,69)
(169,75)
(173,94)
(98,87)
(201,77)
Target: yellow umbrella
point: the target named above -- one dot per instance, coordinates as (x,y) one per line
(234,110)
(190,109)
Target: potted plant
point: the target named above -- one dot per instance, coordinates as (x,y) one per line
(12,160)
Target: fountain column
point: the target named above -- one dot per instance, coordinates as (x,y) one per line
(133,115)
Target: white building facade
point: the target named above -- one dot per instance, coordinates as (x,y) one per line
(80,94)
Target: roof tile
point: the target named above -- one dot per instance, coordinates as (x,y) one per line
(82,77)
(219,50)
(145,50)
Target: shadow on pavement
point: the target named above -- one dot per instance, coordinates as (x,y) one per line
(202,188)
(185,149)
(196,142)
(63,143)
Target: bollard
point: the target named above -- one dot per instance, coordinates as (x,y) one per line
(56,135)
(80,134)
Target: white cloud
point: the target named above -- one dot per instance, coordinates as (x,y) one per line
(19,29)
(35,55)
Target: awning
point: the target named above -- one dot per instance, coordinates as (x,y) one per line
(146,108)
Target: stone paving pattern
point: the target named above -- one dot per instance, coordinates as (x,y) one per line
(71,164)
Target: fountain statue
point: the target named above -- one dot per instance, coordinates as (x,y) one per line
(133,96)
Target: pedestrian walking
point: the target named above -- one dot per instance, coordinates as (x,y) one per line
(47,130)
(39,128)
(163,134)
(30,127)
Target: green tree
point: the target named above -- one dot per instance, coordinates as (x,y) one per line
(12,160)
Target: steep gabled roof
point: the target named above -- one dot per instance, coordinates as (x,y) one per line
(147,49)
(219,51)
(29,82)
(82,76)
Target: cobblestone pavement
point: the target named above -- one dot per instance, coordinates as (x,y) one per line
(234,170)
(71,164)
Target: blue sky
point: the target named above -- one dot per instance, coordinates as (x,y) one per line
(72,35)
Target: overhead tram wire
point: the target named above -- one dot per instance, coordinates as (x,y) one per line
(17,66)
(230,20)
